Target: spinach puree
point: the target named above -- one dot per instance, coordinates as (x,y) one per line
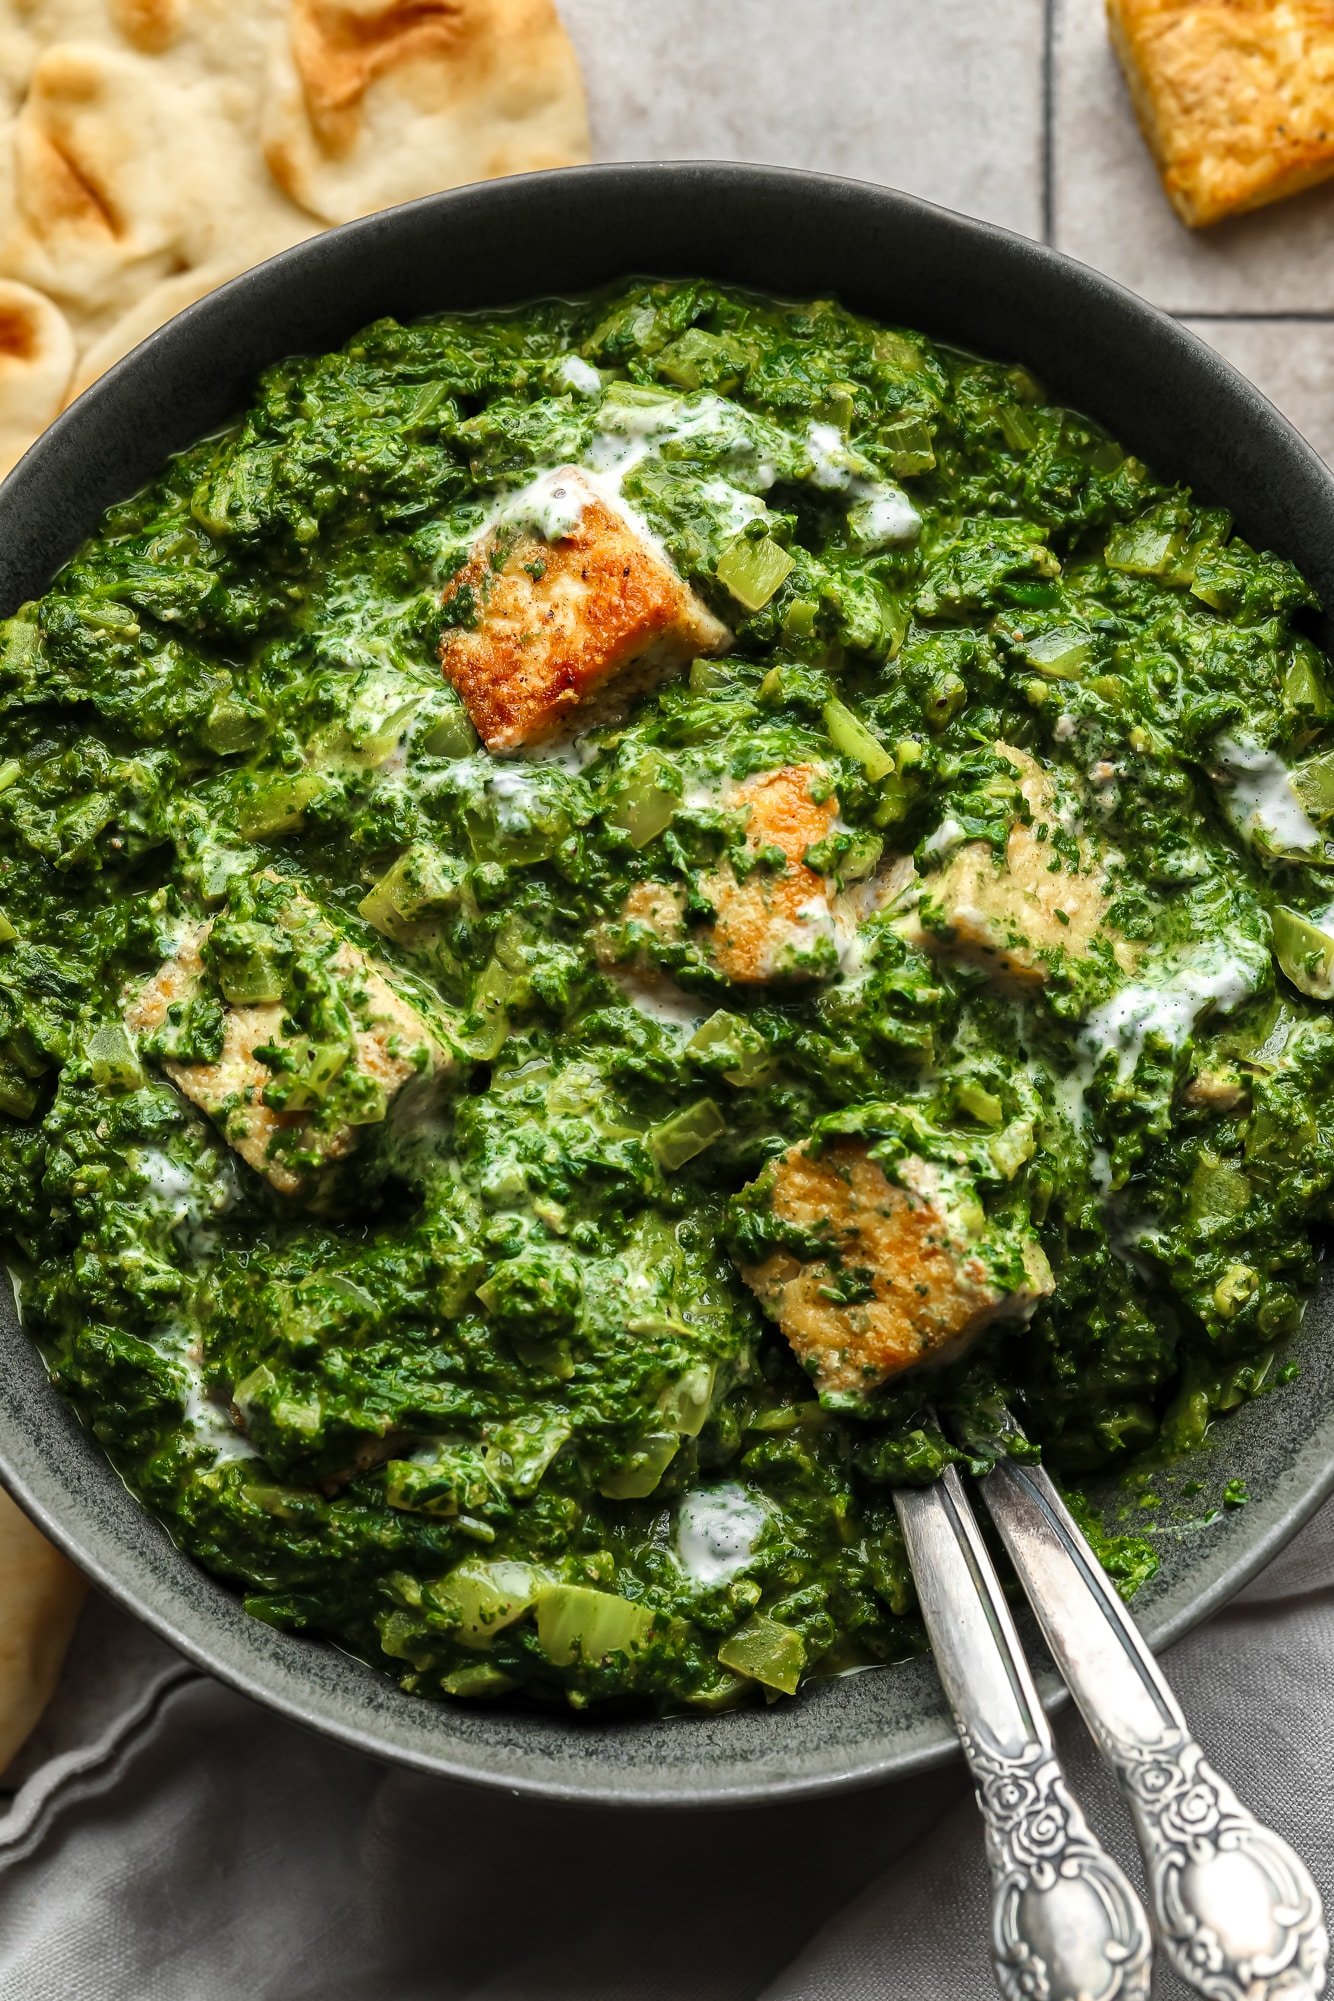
(942,951)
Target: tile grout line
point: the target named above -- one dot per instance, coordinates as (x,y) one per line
(1051,23)
(1048,121)
(1239,315)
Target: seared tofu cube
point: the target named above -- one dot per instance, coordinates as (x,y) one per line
(774,918)
(1236,97)
(775,922)
(389,1046)
(1017,919)
(907,1279)
(569,601)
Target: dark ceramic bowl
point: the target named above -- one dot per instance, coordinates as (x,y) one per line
(1160,390)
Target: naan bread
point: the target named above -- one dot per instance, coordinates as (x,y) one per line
(125,175)
(156,307)
(36,364)
(364,91)
(152,149)
(40,1597)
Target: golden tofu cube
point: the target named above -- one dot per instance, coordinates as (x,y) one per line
(1236,97)
(906,1283)
(569,601)
(391,1045)
(776,922)
(1018,918)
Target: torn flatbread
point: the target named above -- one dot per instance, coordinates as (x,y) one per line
(152,149)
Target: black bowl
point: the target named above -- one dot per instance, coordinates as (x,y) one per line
(1160,390)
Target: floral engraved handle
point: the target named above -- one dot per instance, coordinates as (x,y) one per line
(1235,1910)
(1066,1925)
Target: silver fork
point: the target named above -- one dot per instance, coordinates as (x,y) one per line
(1065,1924)
(1235,1910)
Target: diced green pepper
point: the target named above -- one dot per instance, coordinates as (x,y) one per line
(679,1138)
(754,571)
(232,725)
(979,1103)
(642,1469)
(576,1623)
(452,1479)
(310,1071)
(711,677)
(451,736)
(700,360)
(487,1597)
(1303,683)
(1020,432)
(909,446)
(490,997)
(248,959)
(765,1651)
(851,736)
(478,1684)
(1305,952)
(519,1453)
(113,1058)
(18,1094)
(1143,548)
(379,744)
(1313,782)
(648,798)
(686,1403)
(732,1038)
(1011,1148)
(1060,653)
(417,886)
(278,805)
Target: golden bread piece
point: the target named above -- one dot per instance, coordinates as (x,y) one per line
(42,1596)
(904,1283)
(363,92)
(776,923)
(36,362)
(167,298)
(1236,97)
(1018,918)
(392,1045)
(152,149)
(130,168)
(562,610)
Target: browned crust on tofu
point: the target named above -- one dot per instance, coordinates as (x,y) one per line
(931,1292)
(1013,919)
(1235,97)
(558,621)
(763,921)
(390,1049)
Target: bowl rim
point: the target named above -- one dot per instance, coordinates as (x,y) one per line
(30,1471)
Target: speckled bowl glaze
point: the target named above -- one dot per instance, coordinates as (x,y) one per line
(1159,389)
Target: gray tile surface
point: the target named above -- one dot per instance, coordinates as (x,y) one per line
(1108,209)
(1291,360)
(941,97)
(1010,109)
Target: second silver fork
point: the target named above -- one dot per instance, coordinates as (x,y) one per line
(1065,1923)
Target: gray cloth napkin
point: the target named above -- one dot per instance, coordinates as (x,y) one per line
(173,1842)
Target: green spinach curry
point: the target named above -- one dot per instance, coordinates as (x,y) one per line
(604,903)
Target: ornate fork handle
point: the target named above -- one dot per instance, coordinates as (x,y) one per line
(1235,1910)
(1066,1926)
(1237,1913)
